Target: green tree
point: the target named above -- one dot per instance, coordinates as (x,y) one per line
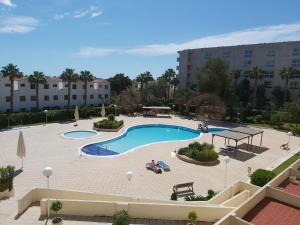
(86,76)
(37,78)
(130,100)
(244,92)
(12,72)
(235,75)
(119,82)
(144,78)
(261,97)
(278,96)
(286,74)
(256,74)
(169,76)
(182,98)
(69,76)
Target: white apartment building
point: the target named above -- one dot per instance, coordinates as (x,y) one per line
(272,57)
(53,94)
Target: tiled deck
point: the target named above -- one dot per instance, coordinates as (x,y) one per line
(292,188)
(272,212)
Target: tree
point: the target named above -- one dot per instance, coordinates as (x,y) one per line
(144,78)
(244,92)
(130,100)
(12,72)
(37,78)
(261,97)
(170,77)
(278,96)
(69,76)
(235,75)
(182,97)
(256,74)
(119,82)
(86,76)
(286,74)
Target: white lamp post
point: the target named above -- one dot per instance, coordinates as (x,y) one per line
(289,134)
(115,106)
(129,175)
(173,154)
(47,172)
(46,114)
(226,159)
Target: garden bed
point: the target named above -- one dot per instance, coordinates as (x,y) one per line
(110,124)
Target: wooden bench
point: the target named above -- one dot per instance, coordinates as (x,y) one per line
(189,186)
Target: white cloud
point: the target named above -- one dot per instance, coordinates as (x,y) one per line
(267,34)
(7,3)
(18,24)
(92,12)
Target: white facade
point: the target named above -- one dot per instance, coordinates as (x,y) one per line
(272,57)
(53,94)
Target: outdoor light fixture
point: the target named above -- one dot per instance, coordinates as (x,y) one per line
(129,175)
(226,159)
(47,172)
(46,112)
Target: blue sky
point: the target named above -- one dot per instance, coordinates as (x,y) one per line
(133,36)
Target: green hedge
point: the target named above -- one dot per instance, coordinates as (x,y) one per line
(6,178)
(108,124)
(260,177)
(24,118)
(200,152)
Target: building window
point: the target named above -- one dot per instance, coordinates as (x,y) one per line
(23,109)
(46,86)
(248,53)
(247,63)
(91,86)
(268,84)
(33,98)
(100,96)
(55,85)
(7,85)
(269,74)
(271,53)
(7,98)
(22,85)
(106,86)
(66,97)
(208,55)
(91,96)
(46,98)
(66,85)
(226,55)
(294,85)
(100,86)
(55,97)
(83,86)
(22,98)
(296,51)
(188,75)
(74,86)
(270,63)
(106,96)
(74,97)
(247,73)
(32,86)
(83,96)
(296,62)
(189,67)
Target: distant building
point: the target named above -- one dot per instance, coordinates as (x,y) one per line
(272,57)
(53,94)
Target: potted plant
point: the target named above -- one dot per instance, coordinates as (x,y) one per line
(192,217)
(56,206)
(121,218)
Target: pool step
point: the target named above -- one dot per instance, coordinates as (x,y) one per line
(97,150)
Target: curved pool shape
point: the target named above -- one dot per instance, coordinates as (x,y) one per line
(80,134)
(141,135)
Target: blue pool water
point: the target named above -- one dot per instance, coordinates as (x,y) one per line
(141,135)
(80,134)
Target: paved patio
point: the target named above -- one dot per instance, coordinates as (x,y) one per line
(108,175)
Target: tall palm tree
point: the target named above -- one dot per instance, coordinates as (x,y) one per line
(69,76)
(256,74)
(169,75)
(144,78)
(12,72)
(286,74)
(235,75)
(37,78)
(86,76)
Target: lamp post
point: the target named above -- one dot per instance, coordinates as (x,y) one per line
(238,116)
(173,154)
(47,172)
(129,175)
(115,106)
(289,134)
(226,159)
(46,114)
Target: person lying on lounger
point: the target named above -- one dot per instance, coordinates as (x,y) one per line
(153,166)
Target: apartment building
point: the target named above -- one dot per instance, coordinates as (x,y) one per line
(53,94)
(272,57)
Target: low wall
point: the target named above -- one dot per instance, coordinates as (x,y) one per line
(202,163)
(7,194)
(296,165)
(237,199)
(295,173)
(139,210)
(280,178)
(283,197)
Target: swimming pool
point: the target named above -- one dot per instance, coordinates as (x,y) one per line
(78,134)
(137,136)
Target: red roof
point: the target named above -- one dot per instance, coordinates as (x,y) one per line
(292,188)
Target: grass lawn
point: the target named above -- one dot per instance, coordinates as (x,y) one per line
(287,163)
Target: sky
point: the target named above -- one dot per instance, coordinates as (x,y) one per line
(133,36)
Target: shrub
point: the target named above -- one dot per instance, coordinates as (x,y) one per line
(206,155)
(201,152)
(111,117)
(56,206)
(210,194)
(174,196)
(108,124)
(6,178)
(192,216)
(261,177)
(121,218)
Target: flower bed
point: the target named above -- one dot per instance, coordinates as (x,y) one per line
(109,124)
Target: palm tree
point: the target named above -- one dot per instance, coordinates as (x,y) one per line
(37,78)
(144,78)
(287,73)
(86,76)
(69,76)
(235,74)
(12,72)
(169,76)
(256,74)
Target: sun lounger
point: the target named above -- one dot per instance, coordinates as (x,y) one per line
(163,165)
(155,169)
